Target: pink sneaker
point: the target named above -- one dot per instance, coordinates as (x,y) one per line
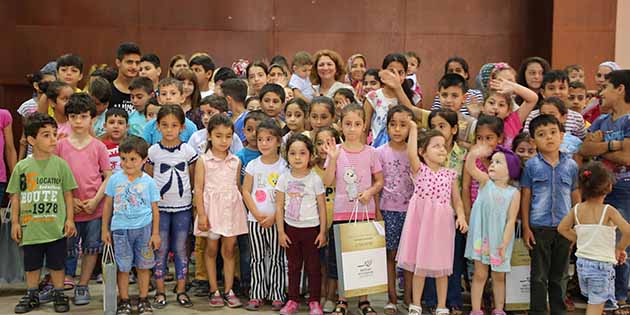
(315,308)
(216,300)
(290,308)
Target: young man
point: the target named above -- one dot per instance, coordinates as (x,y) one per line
(609,141)
(150,68)
(549,190)
(452,89)
(116,125)
(203,67)
(210,106)
(89,159)
(235,92)
(134,230)
(141,89)
(128,62)
(40,225)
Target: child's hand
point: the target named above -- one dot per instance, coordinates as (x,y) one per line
(284,240)
(412,124)
(528,238)
(202,222)
(501,249)
(69,229)
(621,256)
(480,151)
(268,221)
(106,236)
(330,147)
(502,86)
(89,206)
(77,205)
(461,224)
(16,232)
(389,79)
(364,197)
(320,241)
(155,241)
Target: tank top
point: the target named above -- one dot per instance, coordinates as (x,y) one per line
(595,241)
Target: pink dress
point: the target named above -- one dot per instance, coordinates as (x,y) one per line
(428,236)
(222,201)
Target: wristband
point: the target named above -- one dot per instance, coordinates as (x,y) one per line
(610,149)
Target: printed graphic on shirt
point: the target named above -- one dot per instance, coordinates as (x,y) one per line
(39,198)
(175,173)
(351,179)
(295,194)
(129,197)
(261,193)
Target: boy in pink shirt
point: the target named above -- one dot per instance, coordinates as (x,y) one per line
(89,161)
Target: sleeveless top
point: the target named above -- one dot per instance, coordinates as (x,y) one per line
(595,241)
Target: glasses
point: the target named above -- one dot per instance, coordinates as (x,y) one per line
(579,97)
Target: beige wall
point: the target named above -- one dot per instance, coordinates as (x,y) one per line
(622,44)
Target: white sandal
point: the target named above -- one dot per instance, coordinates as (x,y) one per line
(390,309)
(442,311)
(415,309)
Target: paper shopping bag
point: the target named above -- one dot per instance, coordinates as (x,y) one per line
(361,258)
(109,281)
(11,258)
(517,281)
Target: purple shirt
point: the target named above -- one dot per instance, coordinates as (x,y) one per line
(5,120)
(398,186)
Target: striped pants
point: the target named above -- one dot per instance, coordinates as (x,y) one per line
(267,263)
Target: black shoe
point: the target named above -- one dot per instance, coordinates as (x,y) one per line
(144,307)
(61,303)
(124,308)
(27,303)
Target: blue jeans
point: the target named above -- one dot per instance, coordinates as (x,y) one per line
(174,228)
(131,248)
(89,234)
(619,198)
(454,293)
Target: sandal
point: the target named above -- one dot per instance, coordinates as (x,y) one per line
(366,308)
(390,309)
(123,308)
(624,309)
(441,311)
(415,309)
(144,307)
(159,300)
(498,312)
(341,308)
(68,284)
(457,310)
(184,300)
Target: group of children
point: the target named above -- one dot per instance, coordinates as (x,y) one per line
(258,171)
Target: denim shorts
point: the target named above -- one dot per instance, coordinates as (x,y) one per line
(131,248)
(89,232)
(394,221)
(597,280)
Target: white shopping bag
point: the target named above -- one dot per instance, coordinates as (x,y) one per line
(109,281)
(517,281)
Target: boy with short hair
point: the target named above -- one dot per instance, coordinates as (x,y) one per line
(116,125)
(609,141)
(151,109)
(134,231)
(150,68)
(41,211)
(101,93)
(556,107)
(210,106)
(88,158)
(452,89)
(549,190)
(223,74)
(300,83)
(70,70)
(141,89)
(575,73)
(272,98)
(203,67)
(170,91)
(577,96)
(235,92)
(128,62)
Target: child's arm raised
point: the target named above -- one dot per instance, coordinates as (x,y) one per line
(283,238)
(332,151)
(530,98)
(476,152)
(412,147)
(199,184)
(565,228)
(456,199)
(508,233)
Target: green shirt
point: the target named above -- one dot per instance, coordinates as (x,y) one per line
(41,184)
(455,161)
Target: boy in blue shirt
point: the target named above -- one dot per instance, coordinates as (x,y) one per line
(141,90)
(549,190)
(131,204)
(171,92)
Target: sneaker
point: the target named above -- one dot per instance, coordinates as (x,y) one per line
(27,303)
(569,303)
(46,294)
(276,305)
(415,310)
(61,303)
(254,305)
(216,300)
(144,307)
(290,308)
(99,278)
(232,300)
(329,306)
(124,308)
(315,308)
(81,295)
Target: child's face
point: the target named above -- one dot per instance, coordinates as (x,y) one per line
(412,65)
(576,75)
(600,77)
(151,111)
(276,76)
(452,98)
(550,109)
(179,65)
(294,117)
(298,156)
(207,112)
(100,107)
(267,142)
(357,69)
(303,71)
(444,127)
(201,74)
(170,127)
(170,94)
(398,127)
(486,136)
(496,105)
(116,127)
(507,75)
(62,99)
(610,95)
(498,168)
(320,142)
(456,67)
(370,84)
(45,141)
(534,75)
(288,94)
(80,123)
(139,99)
(577,99)
(435,151)
(131,163)
(340,102)
(189,88)
(558,89)
(352,126)
(548,138)
(256,78)
(253,105)
(221,138)
(129,66)
(250,133)
(326,68)
(397,69)
(320,116)
(271,104)
(148,70)
(70,74)
(526,150)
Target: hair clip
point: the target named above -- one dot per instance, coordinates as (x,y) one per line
(587,173)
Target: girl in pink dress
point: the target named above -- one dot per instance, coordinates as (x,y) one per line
(220,211)
(428,236)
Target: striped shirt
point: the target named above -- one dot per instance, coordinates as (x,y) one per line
(573,125)
(471,96)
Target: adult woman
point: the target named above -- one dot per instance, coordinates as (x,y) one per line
(357,65)
(178,62)
(328,71)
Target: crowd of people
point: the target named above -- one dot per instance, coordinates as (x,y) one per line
(247,168)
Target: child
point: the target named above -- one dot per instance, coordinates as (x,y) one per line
(116,125)
(430,216)
(473,98)
(355,170)
(261,176)
(413,60)
(203,67)
(220,214)
(131,204)
(235,92)
(191,95)
(299,82)
(210,106)
(171,91)
(277,75)
(223,74)
(151,110)
(548,191)
(88,157)
(70,70)
(451,91)
(57,94)
(321,112)
(7,149)
(492,222)
(524,146)
(177,63)
(397,190)
(343,97)
(272,102)
(141,90)
(295,116)
(557,108)
(577,97)
(171,164)
(575,72)
(256,74)
(151,69)
(252,103)
(593,229)
(128,62)
(41,228)
(371,81)
(301,222)
(101,93)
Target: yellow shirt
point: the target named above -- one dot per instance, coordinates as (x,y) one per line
(330,197)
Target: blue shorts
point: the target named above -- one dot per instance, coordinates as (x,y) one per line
(394,221)
(597,280)
(89,232)
(131,248)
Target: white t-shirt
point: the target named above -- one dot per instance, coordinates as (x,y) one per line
(265,178)
(172,175)
(304,85)
(300,199)
(206,93)
(199,140)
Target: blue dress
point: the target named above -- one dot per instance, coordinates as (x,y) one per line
(487,224)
